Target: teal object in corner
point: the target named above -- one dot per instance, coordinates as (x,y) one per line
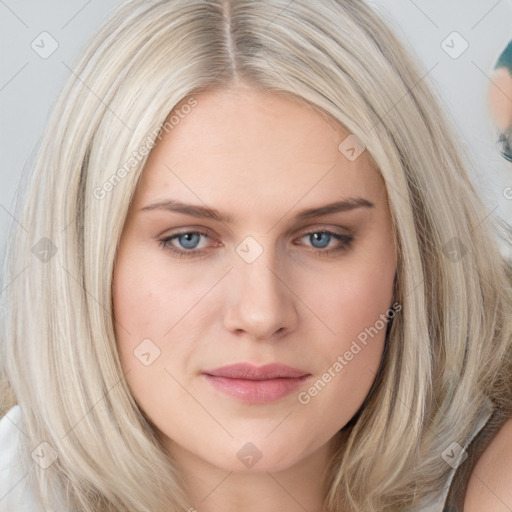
(505,59)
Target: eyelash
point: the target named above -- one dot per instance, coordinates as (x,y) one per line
(345,245)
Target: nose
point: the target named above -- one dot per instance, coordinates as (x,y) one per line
(262,303)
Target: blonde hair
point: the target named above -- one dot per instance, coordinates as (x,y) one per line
(448,351)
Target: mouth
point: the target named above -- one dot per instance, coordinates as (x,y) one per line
(256,385)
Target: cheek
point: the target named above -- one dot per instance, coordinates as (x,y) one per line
(154,310)
(143,301)
(354,296)
(356,310)
(147,294)
(144,304)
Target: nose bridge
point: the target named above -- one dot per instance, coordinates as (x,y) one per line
(261,276)
(262,303)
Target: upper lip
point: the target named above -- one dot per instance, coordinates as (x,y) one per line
(249,371)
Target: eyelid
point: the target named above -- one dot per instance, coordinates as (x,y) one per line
(323,227)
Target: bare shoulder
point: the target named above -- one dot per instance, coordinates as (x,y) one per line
(490,484)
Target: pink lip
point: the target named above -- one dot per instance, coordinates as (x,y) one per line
(255,384)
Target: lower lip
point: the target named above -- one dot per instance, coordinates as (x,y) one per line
(256,391)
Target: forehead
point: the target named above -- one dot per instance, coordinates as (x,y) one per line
(254,143)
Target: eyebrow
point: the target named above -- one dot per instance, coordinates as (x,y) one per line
(193,210)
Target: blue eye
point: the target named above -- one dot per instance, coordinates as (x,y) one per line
(190,239)
(321,240)
(326,237)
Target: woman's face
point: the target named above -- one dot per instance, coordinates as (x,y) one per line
(256,283)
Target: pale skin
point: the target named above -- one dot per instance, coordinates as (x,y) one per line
(261,159)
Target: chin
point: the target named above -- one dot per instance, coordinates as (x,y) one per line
(262,466)
(258,457)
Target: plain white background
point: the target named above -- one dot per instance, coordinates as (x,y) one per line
(30,79)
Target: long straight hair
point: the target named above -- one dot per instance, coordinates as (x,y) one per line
(448,351)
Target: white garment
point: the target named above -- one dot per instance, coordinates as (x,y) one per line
(16,494)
